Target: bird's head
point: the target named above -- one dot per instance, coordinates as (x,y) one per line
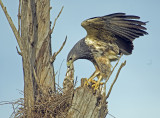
(71,58)
(79,51)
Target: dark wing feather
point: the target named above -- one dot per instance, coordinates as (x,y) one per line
(123,28)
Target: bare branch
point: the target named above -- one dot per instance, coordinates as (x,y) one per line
(18,51)
(122,65)
(56,20)
(111,115)
(12,26)
(113,69)
(60,71)
(56,53)
(14,111)
(19,16)
(51,31)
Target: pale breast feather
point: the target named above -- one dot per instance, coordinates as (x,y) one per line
(95,43)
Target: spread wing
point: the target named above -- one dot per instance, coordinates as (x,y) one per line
(118,27)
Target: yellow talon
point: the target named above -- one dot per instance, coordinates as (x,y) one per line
(88,81)
(93,83)
(98,83)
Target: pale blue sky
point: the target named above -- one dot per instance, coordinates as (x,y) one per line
(136,93)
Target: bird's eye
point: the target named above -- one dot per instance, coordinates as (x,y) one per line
(70,58)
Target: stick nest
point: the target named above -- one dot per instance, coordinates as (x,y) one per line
(48,105)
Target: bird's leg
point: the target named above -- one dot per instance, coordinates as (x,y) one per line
(90,80)
(98,83)
(98,76)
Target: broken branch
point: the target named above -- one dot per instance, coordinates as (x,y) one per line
(56,53)
(18,51)
(12,26)
(122,65)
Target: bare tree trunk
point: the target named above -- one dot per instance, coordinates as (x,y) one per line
(35,28)
(35,45)
(86,102)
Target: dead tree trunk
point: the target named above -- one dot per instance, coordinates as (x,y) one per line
(86,102)
(34,39)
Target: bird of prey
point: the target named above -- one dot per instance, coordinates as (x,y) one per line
(107,37)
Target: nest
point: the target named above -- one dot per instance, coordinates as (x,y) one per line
(48,105)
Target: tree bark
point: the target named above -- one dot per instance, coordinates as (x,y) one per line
(87,104)
(35,28)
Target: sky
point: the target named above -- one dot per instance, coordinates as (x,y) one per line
(136,94)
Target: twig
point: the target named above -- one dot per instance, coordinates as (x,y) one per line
(56,53)
(59,88)
(19,16)
(60,71)
(111,115)
(5,102)
(18,51)
(56,20)
(20,92)
(12,26)
(113,70)
(122,65)
(14,111)
(51,31)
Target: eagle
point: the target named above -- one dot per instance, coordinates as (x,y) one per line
(107,38)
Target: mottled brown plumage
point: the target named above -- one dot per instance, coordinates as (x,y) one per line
(107,37)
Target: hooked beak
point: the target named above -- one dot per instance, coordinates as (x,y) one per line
(69,63)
